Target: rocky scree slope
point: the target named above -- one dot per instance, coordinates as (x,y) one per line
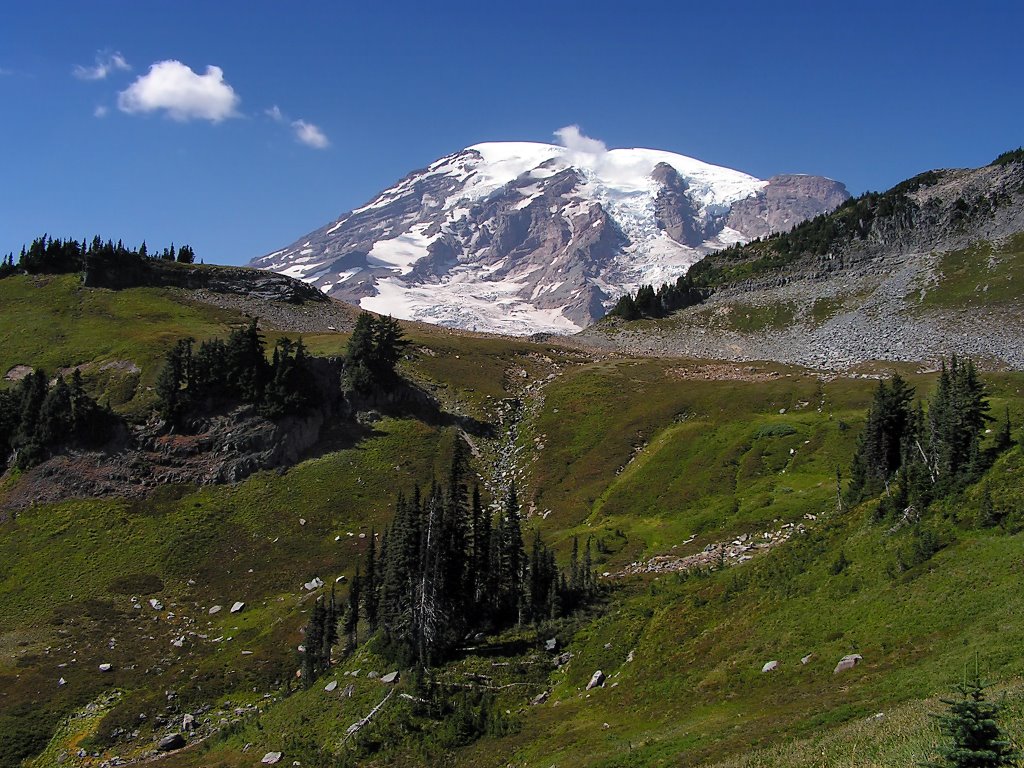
(521,238)
(931,268)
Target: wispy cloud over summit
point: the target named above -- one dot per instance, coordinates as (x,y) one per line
(106,63)
(305,132)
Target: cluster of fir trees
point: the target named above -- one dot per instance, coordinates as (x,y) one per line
(49,256)
(667,299)
(321,635)
(913,455)
(373,351)
(37,418)
(447,569)
(234,370)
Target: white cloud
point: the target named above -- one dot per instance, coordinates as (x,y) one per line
(100,111)
(573,139)
(173,87)
(106,63)
(275,114)
(310,135)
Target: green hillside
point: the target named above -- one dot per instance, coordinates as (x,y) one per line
(645,458)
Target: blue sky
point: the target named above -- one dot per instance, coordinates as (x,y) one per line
(98,136)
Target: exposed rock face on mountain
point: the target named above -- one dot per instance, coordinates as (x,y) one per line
(932,268)
(520,238)
(787,200)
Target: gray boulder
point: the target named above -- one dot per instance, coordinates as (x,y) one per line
(770,666)
(171,743)
(390,677)
(595,680)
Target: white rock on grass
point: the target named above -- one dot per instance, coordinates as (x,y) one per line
(848,662)
(770,666)
(215,609)
(237,607)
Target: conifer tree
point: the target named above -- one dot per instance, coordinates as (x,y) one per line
(512,555)
(373,352)
(172,382)
(480,537)
(388,343)
(55,415)
(575,583)
(359,355)
(370,582)
(246,363)
(330,632)
(312,655)
(881,445)
(351,620)
(974,738)
(588,570)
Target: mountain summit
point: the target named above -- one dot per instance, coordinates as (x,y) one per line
(517,237)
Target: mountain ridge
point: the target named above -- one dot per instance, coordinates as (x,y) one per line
(928,269)
(520,237)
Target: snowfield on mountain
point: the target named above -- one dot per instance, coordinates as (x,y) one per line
(520,237)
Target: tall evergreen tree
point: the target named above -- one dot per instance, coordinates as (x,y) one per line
(370,596)
(480,556)
(56,420)
(172,382)
(388,343)
(330,633)
(372,353)
(351,620)
(881,445)
(359,355)
(312,655)
(512,556)
(246,363)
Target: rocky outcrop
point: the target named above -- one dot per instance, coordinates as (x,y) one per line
(120,272)
(787,200)
(676,213)
(215,447)
(226,449)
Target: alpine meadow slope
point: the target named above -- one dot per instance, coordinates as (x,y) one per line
(735,527)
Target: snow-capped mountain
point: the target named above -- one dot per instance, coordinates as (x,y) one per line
(520,238)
